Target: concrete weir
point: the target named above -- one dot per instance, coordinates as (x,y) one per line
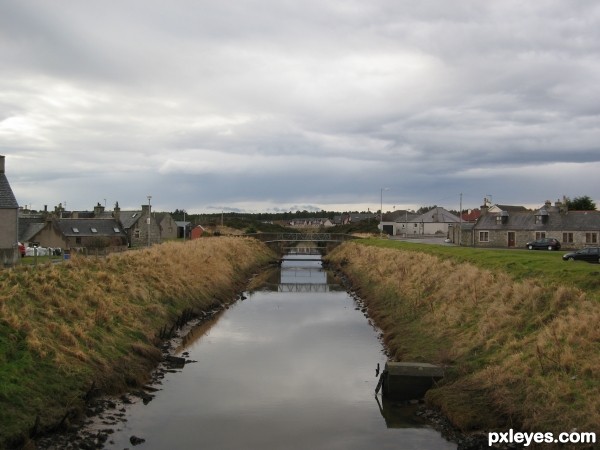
(408,380)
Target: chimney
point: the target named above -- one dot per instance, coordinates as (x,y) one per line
(484,207)
(1,163)
(117,212)
(98,209)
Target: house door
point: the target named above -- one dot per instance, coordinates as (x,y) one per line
(511,238)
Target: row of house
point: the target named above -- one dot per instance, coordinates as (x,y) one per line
(79,230)
(510,226)
(98,229)
(322,222)
(502,225)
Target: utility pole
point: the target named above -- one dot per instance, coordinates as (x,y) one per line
(148,219)
(381,213)
(460,221)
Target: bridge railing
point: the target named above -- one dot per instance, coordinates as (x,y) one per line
(299,237)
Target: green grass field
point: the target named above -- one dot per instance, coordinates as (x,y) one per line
(520,264)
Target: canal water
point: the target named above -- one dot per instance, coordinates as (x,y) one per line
(292,366)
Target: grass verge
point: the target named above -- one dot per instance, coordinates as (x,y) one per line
(96,320)
(518,330)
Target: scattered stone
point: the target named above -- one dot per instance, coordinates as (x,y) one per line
(136,440)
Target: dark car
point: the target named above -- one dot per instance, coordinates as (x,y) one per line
(544,244)
(589,254)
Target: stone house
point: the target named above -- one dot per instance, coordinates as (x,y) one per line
(141,227)
(9,220)
(513,229)
(464,232)
(435,222)
(29,227)
(94,230)
(82,234)
(169,228)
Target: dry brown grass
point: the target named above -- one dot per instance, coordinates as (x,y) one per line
(89,293)
(529,353)
(98,318)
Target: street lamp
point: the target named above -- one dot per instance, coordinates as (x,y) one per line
(381,212)
(148,219)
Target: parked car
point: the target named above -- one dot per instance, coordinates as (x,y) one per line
(37,251)
(589,254)
(21,249)
(544,244)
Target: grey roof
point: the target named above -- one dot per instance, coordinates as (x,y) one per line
(569,221)
(513,208)
(516,221)
(406,217)
(436,215)
(90,214)
(358,217)
(30,230)
(86,227)
(129,218)
(7,198)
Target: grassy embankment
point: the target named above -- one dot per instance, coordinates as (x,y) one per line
(519,330)
(89,320)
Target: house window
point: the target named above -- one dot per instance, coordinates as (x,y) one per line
(136,233)
(93,230)
(78,240)
(116,229)
(484,236)
(75,230)
(568,238)
(591,238)
(540,235)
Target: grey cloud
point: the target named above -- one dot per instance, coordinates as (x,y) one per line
(265,104)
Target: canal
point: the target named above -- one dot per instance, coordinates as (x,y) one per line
(292,366)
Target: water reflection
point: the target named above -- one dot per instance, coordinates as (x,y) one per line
(399,414)
(301,273)
(281,370)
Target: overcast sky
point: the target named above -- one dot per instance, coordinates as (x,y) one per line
(277,105)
